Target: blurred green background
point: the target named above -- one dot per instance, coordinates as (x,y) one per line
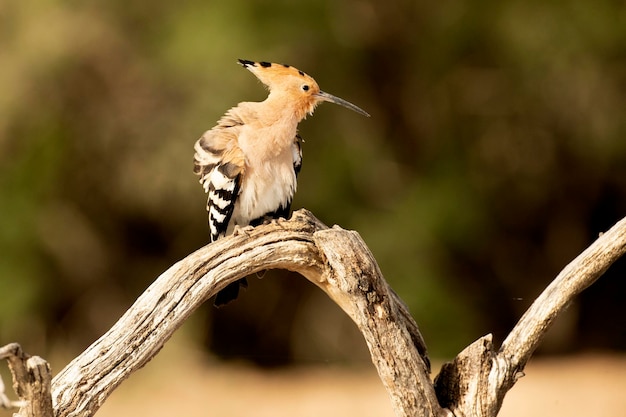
(496,152)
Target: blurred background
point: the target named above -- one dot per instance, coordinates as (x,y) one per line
(496,152)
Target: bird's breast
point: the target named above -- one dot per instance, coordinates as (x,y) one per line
(269,180)
(266,187)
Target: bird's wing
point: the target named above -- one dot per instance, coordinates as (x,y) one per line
(296,151)
(220,164)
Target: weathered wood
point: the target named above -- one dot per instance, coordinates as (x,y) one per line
(31,382)
(335,260)
(354,281)
(338,262)
(475,383)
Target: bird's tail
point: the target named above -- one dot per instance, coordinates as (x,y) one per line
(229,293)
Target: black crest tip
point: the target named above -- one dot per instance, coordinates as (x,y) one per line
(245,63)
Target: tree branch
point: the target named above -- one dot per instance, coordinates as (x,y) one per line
(487,375)
(578,275)
(31,382)
(335,260)
(338,262)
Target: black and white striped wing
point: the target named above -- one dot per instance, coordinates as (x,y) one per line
(223,188)
(221,179)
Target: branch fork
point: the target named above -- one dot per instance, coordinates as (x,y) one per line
(339,263)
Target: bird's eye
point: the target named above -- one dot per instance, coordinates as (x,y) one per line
(305,87)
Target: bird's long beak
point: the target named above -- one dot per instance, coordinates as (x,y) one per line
(333,99)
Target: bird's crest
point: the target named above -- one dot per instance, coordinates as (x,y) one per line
(274,75)
(299,88)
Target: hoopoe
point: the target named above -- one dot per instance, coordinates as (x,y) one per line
(249,162)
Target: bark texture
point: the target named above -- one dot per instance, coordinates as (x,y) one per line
(338,262)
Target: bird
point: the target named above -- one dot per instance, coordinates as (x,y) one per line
(249,162)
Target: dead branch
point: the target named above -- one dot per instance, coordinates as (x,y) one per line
(475,383)
(334,259)
(338,262)
(31,382)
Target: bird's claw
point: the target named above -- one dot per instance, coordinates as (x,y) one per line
(242,230)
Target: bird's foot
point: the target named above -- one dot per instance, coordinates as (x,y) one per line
(270,220)
(242,230)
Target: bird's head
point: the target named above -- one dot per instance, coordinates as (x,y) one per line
(294,86)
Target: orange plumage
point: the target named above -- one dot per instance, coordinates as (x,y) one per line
(248,163)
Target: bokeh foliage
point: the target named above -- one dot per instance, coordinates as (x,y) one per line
(495,153)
